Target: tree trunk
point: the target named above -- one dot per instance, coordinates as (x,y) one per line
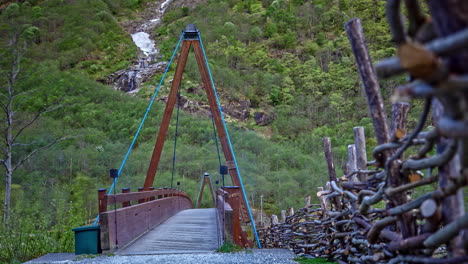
(7,201)
(9,141)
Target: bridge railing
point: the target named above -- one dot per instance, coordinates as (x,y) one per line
(138,213)
(224,211)
(229,214)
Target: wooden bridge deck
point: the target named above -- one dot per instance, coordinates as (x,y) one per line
(191,230)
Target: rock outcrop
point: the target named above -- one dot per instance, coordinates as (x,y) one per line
(263,118)
(235,110)
(129,80)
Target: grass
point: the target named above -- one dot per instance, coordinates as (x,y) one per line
(229,247)
(302,260)
(87,256)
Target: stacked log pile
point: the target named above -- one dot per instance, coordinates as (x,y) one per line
(376,212)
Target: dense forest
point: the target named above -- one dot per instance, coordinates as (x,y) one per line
(289,59)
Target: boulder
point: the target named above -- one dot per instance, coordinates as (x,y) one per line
(238,110)
(263,119)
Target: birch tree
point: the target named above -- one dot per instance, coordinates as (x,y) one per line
(17,33)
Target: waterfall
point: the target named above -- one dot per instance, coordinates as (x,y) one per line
(129,79)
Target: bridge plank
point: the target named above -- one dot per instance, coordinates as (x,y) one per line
(188,231)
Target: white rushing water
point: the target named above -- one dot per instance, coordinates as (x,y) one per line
(143,41)
(142,38)
(163,5)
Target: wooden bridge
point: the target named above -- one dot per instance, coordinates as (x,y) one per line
(163,220)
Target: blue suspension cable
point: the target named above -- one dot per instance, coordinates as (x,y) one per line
(230,145)
(143,120)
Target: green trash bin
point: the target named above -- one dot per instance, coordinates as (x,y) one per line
(87,240)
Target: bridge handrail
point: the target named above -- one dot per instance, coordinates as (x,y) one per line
(228,206)
(121,226)
(111,199)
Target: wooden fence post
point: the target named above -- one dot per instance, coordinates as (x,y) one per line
(322,200)
(369,80)
(331,167)
(361,155)
(274,220)
(377,111)
(352,166)
(453,205)
(329,158)
(399,116)
(283,216)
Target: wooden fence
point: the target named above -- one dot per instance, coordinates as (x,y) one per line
(376,212)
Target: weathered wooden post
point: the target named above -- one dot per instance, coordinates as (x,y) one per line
(331,167)
(369,80)
(352,165)
(307,201)
(329,158)
(453,205)
(125,204)
(283,216)
(361,155)
(274,220)
(377,111)
(399,116)
(322,200)
(450,17)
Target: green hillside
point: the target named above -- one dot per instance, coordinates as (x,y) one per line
(290,59)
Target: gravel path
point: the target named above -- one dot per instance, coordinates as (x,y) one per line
(256,256)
